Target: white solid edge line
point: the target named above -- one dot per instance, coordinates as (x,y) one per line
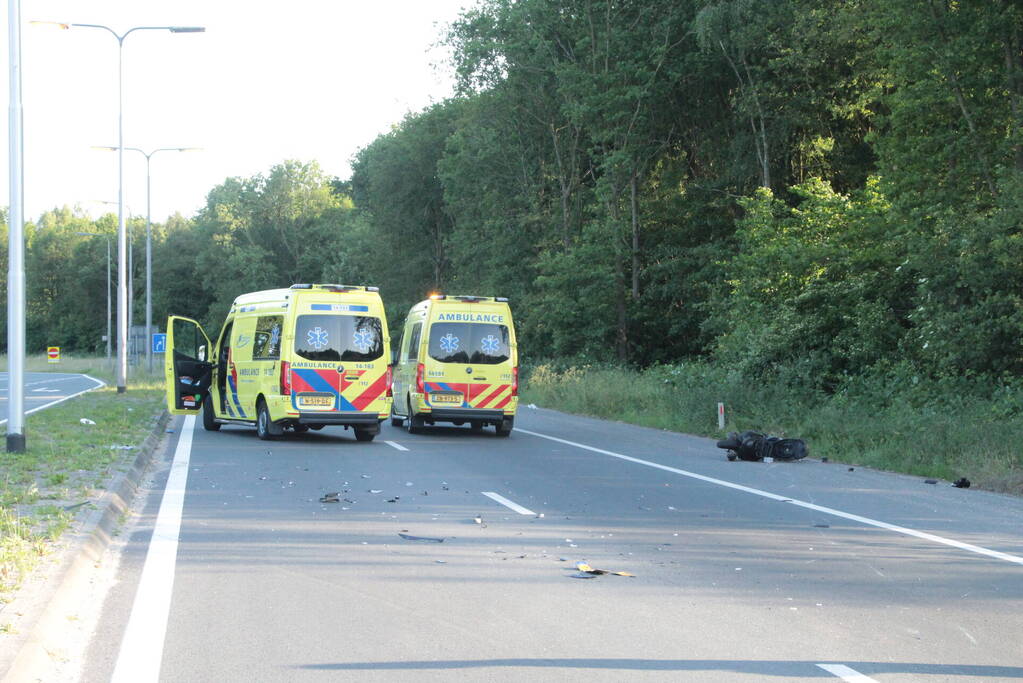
(141,650)
(508,503)
(99,383)
(784,499)
(396,445)
(846,674)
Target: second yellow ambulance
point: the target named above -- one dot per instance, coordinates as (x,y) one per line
(457,362)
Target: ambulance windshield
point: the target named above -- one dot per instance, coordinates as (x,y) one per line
(479,343)
(339,337)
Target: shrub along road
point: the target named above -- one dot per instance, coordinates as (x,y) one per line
(742,570)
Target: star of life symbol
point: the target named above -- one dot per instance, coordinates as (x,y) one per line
(275,337)
(449,343)
(362,339)
(490,344)
(317,338)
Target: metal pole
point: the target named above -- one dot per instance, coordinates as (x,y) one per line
(122,246)
(149,277)
(108,302)
(16,245)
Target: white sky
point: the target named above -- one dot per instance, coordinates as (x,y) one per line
(312,80)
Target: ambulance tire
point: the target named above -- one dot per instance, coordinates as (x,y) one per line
(416,424)
(505,428)
(476,426)
(396,420)
(265,429)
(364,434)
(207,415)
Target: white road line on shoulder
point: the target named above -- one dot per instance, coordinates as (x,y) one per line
(397,445)
(508,503)
(1015,559)
(99,383)
(846,674)
(142,646)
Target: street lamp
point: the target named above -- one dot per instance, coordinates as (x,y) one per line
(122,248)
(149,242)
(96,234)
(16,242)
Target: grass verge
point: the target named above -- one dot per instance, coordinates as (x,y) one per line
(67,463)
(891,422)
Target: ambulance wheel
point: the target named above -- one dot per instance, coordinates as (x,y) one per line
(207,415)
(362,434)
(396,420)
(265,429)
(476,426)
(316,428)
(416,424)
(505,428)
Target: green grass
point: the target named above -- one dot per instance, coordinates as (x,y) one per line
(933,431)
(67,462)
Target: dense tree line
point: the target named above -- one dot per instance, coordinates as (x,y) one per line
(826,186)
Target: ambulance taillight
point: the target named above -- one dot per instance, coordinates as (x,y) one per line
(390,382)
(285,378)
(420,376)
(515,382)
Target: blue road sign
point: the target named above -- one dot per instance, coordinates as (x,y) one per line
(159,343)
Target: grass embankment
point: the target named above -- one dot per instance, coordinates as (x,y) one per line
(68,463)
(948,430)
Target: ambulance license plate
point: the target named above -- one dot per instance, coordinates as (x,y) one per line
(316,400)
(454,398)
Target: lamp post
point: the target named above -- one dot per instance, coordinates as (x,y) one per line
(149,242)
(107,237)
(122,247)
(16,244)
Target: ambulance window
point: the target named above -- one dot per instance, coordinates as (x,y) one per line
(188,341)
(480,343)
(339,337)
(267,345)
(413,343)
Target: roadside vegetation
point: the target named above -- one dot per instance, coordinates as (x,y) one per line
(67,464)
(892,421)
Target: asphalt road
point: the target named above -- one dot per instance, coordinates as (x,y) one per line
(743,571)
(43,389)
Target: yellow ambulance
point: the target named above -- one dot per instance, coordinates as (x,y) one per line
(457,362)
(299,358)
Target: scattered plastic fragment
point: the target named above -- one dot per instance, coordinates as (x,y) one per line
(69,508)
(86,421)
(478,519)
(587,569)
(364,476)
(394,500)
(531,406)
(430,539)
(582,575)
(408,483)
(822,526)
(169,431)
(930,481)
(962,483)
(334,497)
(375,490)
(122,448)
(851,469)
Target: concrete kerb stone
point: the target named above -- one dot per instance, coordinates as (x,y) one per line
(60,590)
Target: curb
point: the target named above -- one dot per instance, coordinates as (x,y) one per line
(83,549)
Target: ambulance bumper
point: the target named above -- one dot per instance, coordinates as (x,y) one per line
(447,414)
(333,418)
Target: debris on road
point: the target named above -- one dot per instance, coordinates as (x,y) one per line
(430,539)
(374,490)
(394,500)
(478,519)
(591,572)
(531,406)
(930,481)
(752,446)
(962,483)
(122,448)
(334,497)
(86,421)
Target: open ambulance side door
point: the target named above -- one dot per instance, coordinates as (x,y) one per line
(186,365)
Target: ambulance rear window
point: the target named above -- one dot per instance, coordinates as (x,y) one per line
(339,337)
(479,343)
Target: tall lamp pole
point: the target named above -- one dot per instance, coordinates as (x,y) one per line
(149,241)
(122,247)
(107,237)
(16,245)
